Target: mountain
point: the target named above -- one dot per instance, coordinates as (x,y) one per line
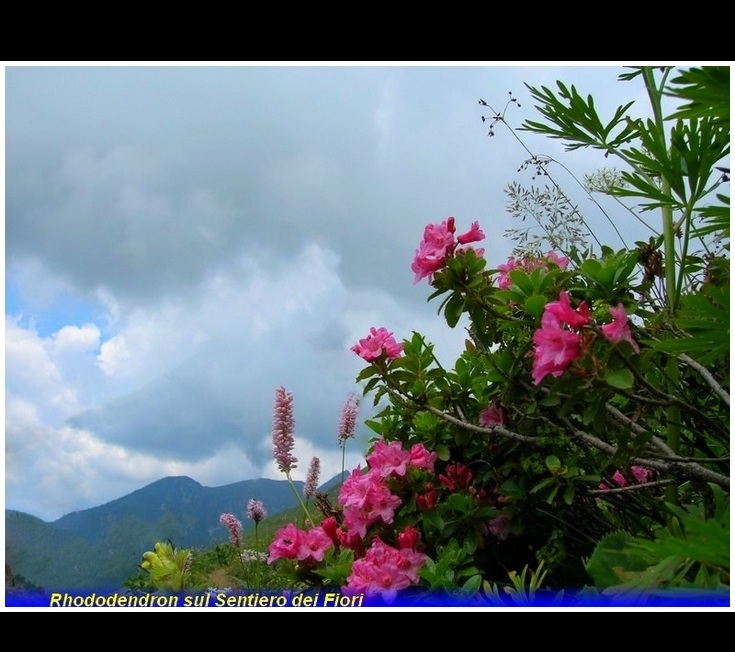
(180,508)
(101,547)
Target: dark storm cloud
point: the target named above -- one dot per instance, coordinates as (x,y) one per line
(180,240)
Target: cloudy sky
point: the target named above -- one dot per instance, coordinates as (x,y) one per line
(182,239)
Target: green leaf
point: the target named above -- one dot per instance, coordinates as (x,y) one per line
(454,309)
(459,502)
(534,305)
(550,400)
(619,378)
(611,559)
(520,279)
(442,452)
(553,463)
(472,585)
(433,519)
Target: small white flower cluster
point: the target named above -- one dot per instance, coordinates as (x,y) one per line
(253,555)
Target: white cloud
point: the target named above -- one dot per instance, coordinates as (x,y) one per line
(112,353)
(76,339)
(32,374)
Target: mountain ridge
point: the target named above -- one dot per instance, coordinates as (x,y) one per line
(101,546)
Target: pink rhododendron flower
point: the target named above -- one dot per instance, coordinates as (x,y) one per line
(286,543)
(388,459)
(619,329)
(356,522)
(313,544)
(379,340)
(457,477)
(424,266)
(433,250)
(505,269)
(439,244)
(556,347)
(427,501)
(555,350)
(640,474)
(619,479)
(492,415)
(559,261)
(422,458)
(499,527)
(365,499)
(382,506)
(562,310)
(357,486)
(408,537)
(438,238)
(370,579)
(353,542)
(475,234)
(331,527)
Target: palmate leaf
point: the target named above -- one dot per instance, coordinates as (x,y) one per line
(686,165)
(715,219)
(706,91)
(705,541)
(706,318)
(574,119)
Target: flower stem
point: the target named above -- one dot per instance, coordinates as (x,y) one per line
(309,520)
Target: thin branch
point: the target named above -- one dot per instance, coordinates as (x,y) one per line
(671,466)
(708,377)
(674,401)
(461,422)
(495,430)
(630,487)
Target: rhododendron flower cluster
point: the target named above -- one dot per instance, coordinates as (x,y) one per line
(390,458)
(380,341)
(303,545)
(528,264)
(556,346)
(640,475)
(438,244)
(366,499)
(385,570)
